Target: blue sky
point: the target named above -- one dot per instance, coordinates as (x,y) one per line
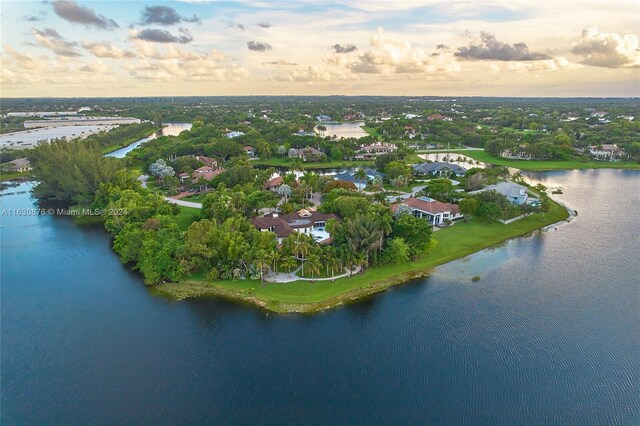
(404,47)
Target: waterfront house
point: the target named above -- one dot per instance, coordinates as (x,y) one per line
(307,154)
(203,175)
(514,192)
(438,168)
(350,176)
(305,221)
(607,151)
(183,177)
(370,152)
(323,118)
(435,212)
(18,165)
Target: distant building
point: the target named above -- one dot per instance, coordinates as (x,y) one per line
(251,152)
(438,168)
(370,152)
(307,154)
(323,118)
(208,161)
(17,165)
(435,212)
(234,134)
(514,192)
(607,151)
(274,184)
(204,174)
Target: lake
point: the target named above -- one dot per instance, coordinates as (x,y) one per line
(169,129)
(343,130)
(549,335)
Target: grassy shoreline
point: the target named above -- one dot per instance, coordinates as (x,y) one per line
(542,165)
(454,243)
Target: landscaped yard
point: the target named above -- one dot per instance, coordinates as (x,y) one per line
(288,162)
(454,242)
(195,198)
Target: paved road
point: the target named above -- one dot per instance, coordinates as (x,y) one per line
(283,277)
(143,182)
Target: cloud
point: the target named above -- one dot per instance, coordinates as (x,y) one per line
(609,50)
(104,49)
(163,15)
(389,55)
(71,11)
(52,40)
(155,35)
(264,25)
(280,63)
(312,73)
(96,67)
(489,48)
(35,18)
(347,48)
(559,63)
(258,46)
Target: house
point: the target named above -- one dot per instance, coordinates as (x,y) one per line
(439,117)
(438,168)
(205,173)
(208,161)
(231,135)
(274,184)
(183,177)
(305,221)
(436,212)
(514,192)
(323,118)
(18,165)
(251,152)
(302,132)
(370,152)
(598,114)
(607,151)
(350,176)
(307,154)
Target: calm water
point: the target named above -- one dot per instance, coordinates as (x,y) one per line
(549,335)
(343,130)
(170,129)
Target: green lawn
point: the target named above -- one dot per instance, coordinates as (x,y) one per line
(196,198)
(186,216)
(455,242)
(13,175)
(549,165)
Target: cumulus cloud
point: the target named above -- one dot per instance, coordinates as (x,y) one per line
(104,49)
(280,63)
(347,48)
(489,48)
(609,50)
(389,55)
(258,46)
(71,11)
(559,63)
(156,35)
(51,39)
(96,67)
(264,25)
(163,15)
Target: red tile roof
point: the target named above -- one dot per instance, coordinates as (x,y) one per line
(427,206)
(272,183)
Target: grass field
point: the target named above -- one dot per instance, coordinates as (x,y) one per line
(196,198)
(548,165)
(186,216)
(14,175)
(455,242)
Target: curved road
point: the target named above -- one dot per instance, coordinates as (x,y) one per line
(143,183)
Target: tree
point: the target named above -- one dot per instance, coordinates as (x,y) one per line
(440,189)
(364,234)
(414,231)
(468,206)
(313,264)
(489,210)
(397,251)
(282,150)
(161,170)
(476,181)
(396,169)
(284,190)
(361,177)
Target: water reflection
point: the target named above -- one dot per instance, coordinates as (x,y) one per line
(170,129)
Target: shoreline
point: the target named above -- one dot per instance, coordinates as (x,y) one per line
(312,297)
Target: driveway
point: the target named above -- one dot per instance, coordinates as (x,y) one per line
(143,183)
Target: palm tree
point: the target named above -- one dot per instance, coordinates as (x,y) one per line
(260,263)
(288,262)
(361,176)
(313,264)
(272,258)
(301,246)
(333,264)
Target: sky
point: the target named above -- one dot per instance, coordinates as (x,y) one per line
(68,48)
